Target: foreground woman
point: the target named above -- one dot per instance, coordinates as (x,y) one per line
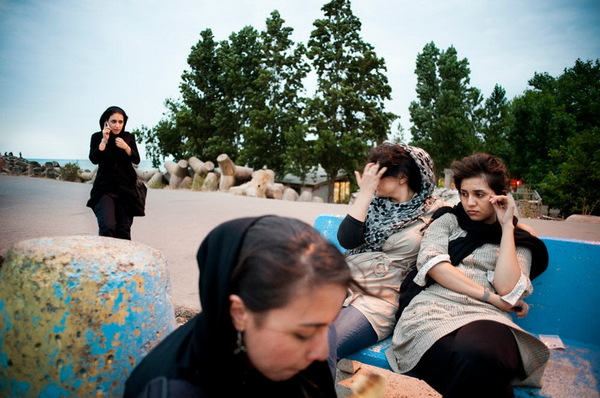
(269,289)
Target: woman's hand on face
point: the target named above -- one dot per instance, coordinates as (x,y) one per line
(369,180)
(504,206)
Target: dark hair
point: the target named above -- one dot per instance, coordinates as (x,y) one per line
(111,111)
(279,255)
(399,163)
(482,164)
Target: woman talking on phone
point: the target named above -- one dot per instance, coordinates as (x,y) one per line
(113,197)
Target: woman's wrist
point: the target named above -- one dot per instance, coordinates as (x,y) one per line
(486,295)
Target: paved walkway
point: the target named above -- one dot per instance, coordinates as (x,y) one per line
(176,221)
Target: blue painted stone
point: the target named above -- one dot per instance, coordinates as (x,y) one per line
(77,313)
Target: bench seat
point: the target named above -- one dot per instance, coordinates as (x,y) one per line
(565,302)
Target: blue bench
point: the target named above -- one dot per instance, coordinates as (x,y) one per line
(565,302)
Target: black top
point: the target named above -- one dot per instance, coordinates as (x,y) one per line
(201,352)
(116,174)
(350,232)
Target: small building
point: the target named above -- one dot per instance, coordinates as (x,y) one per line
(316,182)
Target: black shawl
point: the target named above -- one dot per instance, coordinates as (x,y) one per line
(201,351)
(478,233)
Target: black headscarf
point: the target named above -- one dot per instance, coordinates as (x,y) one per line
(201,351)
(478,233)
(109,112)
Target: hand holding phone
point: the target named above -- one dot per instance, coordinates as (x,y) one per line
(106,131)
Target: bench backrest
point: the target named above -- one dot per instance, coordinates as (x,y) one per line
(566,298)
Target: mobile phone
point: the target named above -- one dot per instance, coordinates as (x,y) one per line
(106,124)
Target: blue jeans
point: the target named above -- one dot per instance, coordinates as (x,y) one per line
(350,332)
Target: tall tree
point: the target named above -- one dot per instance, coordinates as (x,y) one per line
(495,122)
(346,115)
(276,105)
(539,124)
(445,117)
(574,186)
(188,127)
(557,131)
(240,61)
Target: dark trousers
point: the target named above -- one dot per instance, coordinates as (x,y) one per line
(478,360)
(113,218)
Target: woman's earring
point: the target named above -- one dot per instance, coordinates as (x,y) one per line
(240,347)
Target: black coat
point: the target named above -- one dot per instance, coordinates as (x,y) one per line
(116,174)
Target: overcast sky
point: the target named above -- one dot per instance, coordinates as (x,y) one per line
(63,62)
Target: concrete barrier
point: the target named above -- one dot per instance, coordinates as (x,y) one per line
(565,303)
(77,313)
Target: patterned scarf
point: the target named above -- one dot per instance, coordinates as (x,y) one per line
(385,217)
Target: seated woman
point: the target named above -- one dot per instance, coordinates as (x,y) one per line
(269,288)
(383,232)
(458,334)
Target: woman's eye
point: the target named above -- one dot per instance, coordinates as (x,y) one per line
(302,337)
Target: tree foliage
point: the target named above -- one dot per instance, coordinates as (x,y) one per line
(245,97)
(276,127)
(347,113)
(494,124)
(568,170)
(239,97)
(445,117)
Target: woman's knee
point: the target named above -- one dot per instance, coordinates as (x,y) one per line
(486,346)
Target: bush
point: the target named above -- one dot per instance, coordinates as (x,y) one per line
(70,172)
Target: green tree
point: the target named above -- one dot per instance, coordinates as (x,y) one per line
(539,124)
(495,123)
(275,125)
(574,187)
(346,115)
(167,139)
(188,126)
(564,151)
(445,117)
(203,96)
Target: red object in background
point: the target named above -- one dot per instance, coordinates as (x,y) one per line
(515,183)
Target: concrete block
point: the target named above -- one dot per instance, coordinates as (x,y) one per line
(77,313)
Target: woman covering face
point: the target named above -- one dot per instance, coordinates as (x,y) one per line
(382,232)
(269,289)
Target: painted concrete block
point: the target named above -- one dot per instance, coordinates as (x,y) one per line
(77,313)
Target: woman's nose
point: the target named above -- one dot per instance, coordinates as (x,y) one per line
(319,351)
